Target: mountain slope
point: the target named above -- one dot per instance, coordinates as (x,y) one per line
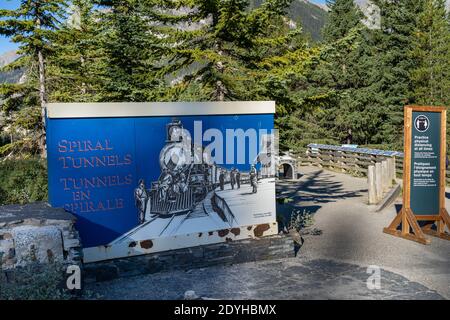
(8,57)
(12,76)
(363,3)
(311,16)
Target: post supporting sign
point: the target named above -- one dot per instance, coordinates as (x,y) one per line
(424,167)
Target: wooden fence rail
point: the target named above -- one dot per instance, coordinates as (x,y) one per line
(348,161)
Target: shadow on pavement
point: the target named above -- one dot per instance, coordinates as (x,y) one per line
(284,212)
(319,187)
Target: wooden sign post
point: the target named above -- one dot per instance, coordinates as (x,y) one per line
(424,169)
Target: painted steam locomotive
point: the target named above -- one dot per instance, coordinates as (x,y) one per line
(184,181)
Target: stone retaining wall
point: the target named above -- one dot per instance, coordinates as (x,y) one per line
(37,232)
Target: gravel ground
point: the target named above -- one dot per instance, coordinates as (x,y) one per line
(332,265)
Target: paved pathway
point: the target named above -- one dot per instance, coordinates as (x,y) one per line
(332,265)
(278,279)
(352,231)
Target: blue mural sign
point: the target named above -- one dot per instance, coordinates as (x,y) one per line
(161,171)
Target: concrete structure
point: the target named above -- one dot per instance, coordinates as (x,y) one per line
(37,232)
(380,179)
(221,254)
(145,183)
(289,165)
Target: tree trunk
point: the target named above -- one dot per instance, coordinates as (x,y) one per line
(43,99)
(349,136)
(220,91)
(431,67)
(83,84)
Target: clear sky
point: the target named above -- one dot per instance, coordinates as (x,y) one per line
(6,45)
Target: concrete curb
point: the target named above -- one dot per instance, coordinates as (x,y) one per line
(389,198)
(234,252)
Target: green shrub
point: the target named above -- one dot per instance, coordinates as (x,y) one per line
(284,200)
(35,282)
(300,220)
(23,181)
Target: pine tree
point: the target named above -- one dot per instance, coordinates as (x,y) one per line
(301,97)
(431,77)
(309,83)
(130,40)
(394,44)
(31,25)
(348,69)
(359,119)
(217,44)
(343,16)
(77,66)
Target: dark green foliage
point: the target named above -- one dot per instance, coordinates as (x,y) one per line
(374,73)
(349,88)
(130,47)
(431,75)
(301,99)
(4,139)
(394,46)
(344,15)
(220,50)
(77,65)
(23,181)
(342,77)
(35,282)
(31,26)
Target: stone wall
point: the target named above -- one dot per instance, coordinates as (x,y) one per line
(37,232)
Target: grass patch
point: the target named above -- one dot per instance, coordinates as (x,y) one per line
(23,181)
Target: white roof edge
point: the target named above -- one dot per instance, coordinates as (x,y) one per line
(146,109)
